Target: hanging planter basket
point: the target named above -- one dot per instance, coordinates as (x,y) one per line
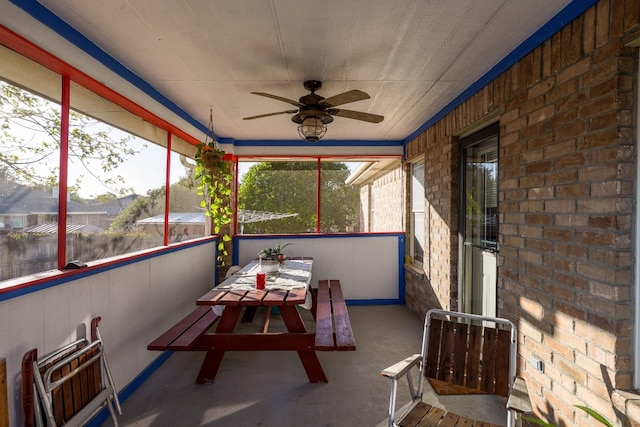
(212,159)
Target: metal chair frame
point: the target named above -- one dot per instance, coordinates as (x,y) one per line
(404,367)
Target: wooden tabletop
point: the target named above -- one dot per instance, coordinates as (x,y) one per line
(253,298)
(289,287)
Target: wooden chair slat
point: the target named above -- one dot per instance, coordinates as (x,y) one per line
(502,363)
(446,350)
(489,347)
(433,350)
(67,394)
(449,420)
(459,353)
(473,358)
(416,414)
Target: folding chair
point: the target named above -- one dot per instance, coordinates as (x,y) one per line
(68,386)
(462,354)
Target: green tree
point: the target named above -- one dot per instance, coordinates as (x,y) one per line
(30,133)
(183,199)
(291,188)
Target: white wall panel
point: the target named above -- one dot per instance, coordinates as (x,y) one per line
(367,266)
(137,302)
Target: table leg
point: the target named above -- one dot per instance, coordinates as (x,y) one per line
(213,358)
(309,358)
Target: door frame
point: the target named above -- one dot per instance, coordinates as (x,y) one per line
(464,143)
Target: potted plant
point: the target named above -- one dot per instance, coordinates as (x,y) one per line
(214,177)
(271,258)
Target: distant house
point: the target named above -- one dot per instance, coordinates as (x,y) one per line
(23,208)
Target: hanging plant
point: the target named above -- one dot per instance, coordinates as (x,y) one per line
(214,179)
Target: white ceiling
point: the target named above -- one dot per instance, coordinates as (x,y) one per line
(411,57)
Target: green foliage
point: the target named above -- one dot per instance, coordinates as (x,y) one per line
(591,412)
(214,185)
(291,188)
(274,252)
(30,133)
(142,207)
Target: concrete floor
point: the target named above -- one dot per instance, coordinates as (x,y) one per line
(272,389)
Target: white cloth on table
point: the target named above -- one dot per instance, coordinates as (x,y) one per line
(293,274)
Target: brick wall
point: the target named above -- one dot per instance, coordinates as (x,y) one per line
(566,179)
(386,193)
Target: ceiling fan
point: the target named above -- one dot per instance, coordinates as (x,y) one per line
(315,111)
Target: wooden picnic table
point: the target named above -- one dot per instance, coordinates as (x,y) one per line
(222,306)
(286,291)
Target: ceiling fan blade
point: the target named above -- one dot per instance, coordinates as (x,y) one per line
(345,98)
(356,115)
(270,114)
(279,98)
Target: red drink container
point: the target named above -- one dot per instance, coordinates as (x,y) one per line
(261,280)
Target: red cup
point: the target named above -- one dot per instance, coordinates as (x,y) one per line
(261,280)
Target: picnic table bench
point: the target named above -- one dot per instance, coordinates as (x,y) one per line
(332,331)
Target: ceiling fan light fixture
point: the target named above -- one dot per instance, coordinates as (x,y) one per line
(312,129)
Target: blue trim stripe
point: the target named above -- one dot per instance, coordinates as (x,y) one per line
(555,24)
(301,143)
(125,393)
(90,271)
(574,9)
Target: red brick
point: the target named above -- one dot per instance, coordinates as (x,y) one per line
(560,206)
(602,23)
(539,218)
(597,205)
(571,280)
(572,220)
(598,139)
(609,120)
(612,258)
(558,235)
(573,101)
(539,167)
(571,191)
(541,114)
(540,193)
(570,131)
(561,177)
(571,161)
(579,68)
(596,239)
(571,251)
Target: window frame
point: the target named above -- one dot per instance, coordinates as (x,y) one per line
(413,213)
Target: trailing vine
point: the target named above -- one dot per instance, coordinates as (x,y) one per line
(214,179)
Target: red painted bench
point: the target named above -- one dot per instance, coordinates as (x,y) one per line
(333,327)
(184,334)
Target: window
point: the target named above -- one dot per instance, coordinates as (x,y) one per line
(29,173)
(276,197)
(116,179)
(417,241)
(339,201)
(280,196)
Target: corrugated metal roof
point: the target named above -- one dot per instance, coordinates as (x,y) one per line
(52,228)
